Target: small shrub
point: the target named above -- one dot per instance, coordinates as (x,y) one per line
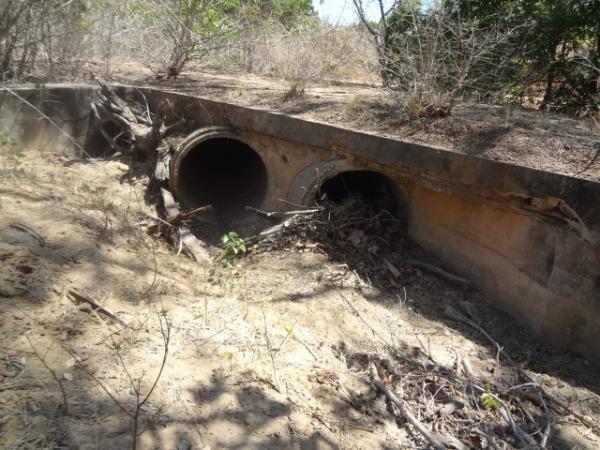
(234,247)
(11,156)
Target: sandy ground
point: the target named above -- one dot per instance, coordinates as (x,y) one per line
(518,135)
(269,355)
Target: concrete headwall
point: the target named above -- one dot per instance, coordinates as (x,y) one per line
(529,239)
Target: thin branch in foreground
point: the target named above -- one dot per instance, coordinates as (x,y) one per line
(136,383)
(437,440)
(53,373)
(45,116)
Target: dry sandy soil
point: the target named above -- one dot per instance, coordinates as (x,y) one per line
(518,135)
(272,354)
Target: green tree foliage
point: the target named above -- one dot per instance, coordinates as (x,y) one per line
(492,48)
(193,27)
(556,42)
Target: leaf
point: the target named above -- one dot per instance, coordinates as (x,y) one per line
(289,328)
(227,355)
(491,402)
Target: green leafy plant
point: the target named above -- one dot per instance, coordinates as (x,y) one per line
(227,356)
(491,402)
(234,247)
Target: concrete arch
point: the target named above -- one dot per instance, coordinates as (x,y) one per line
(323,176)
(216,166)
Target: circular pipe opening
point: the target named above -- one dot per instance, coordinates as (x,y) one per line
(223,172)
(374,188)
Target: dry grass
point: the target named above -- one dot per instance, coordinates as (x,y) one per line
(309,52)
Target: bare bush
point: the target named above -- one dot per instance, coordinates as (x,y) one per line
(311,50)
(432,58)
(134,411)
(40,37)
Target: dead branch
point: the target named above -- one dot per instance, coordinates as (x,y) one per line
(179,218)
(560,406)
(438,271)
(52,373)
(78,297)
(194,247)
(437,440)
(30,231)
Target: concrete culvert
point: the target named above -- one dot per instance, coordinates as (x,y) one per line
(220,171)
(375,188)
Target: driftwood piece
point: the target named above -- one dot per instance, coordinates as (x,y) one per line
(169,204)
(30,231)
(280,214)
(439,272)
(275,229)
(136,133)
(194,247)
(78,297)
(178,219)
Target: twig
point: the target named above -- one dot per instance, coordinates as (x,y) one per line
(435,439)
(390,266)
(452,313)
(180,217)
(135,383)
(54,124)
(79,297)
(271,352)
(438,271)
(98,382)
(278,214)
(357,314)
(26,229)
(53,373)
(504,412)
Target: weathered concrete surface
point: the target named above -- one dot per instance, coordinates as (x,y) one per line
(529,239)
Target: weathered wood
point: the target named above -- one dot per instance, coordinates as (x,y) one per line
(194,247)
(136,134)
(169,204)
(96,307)
(437,440)
(439,272)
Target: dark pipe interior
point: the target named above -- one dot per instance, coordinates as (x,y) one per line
(222,172)
(374,188)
